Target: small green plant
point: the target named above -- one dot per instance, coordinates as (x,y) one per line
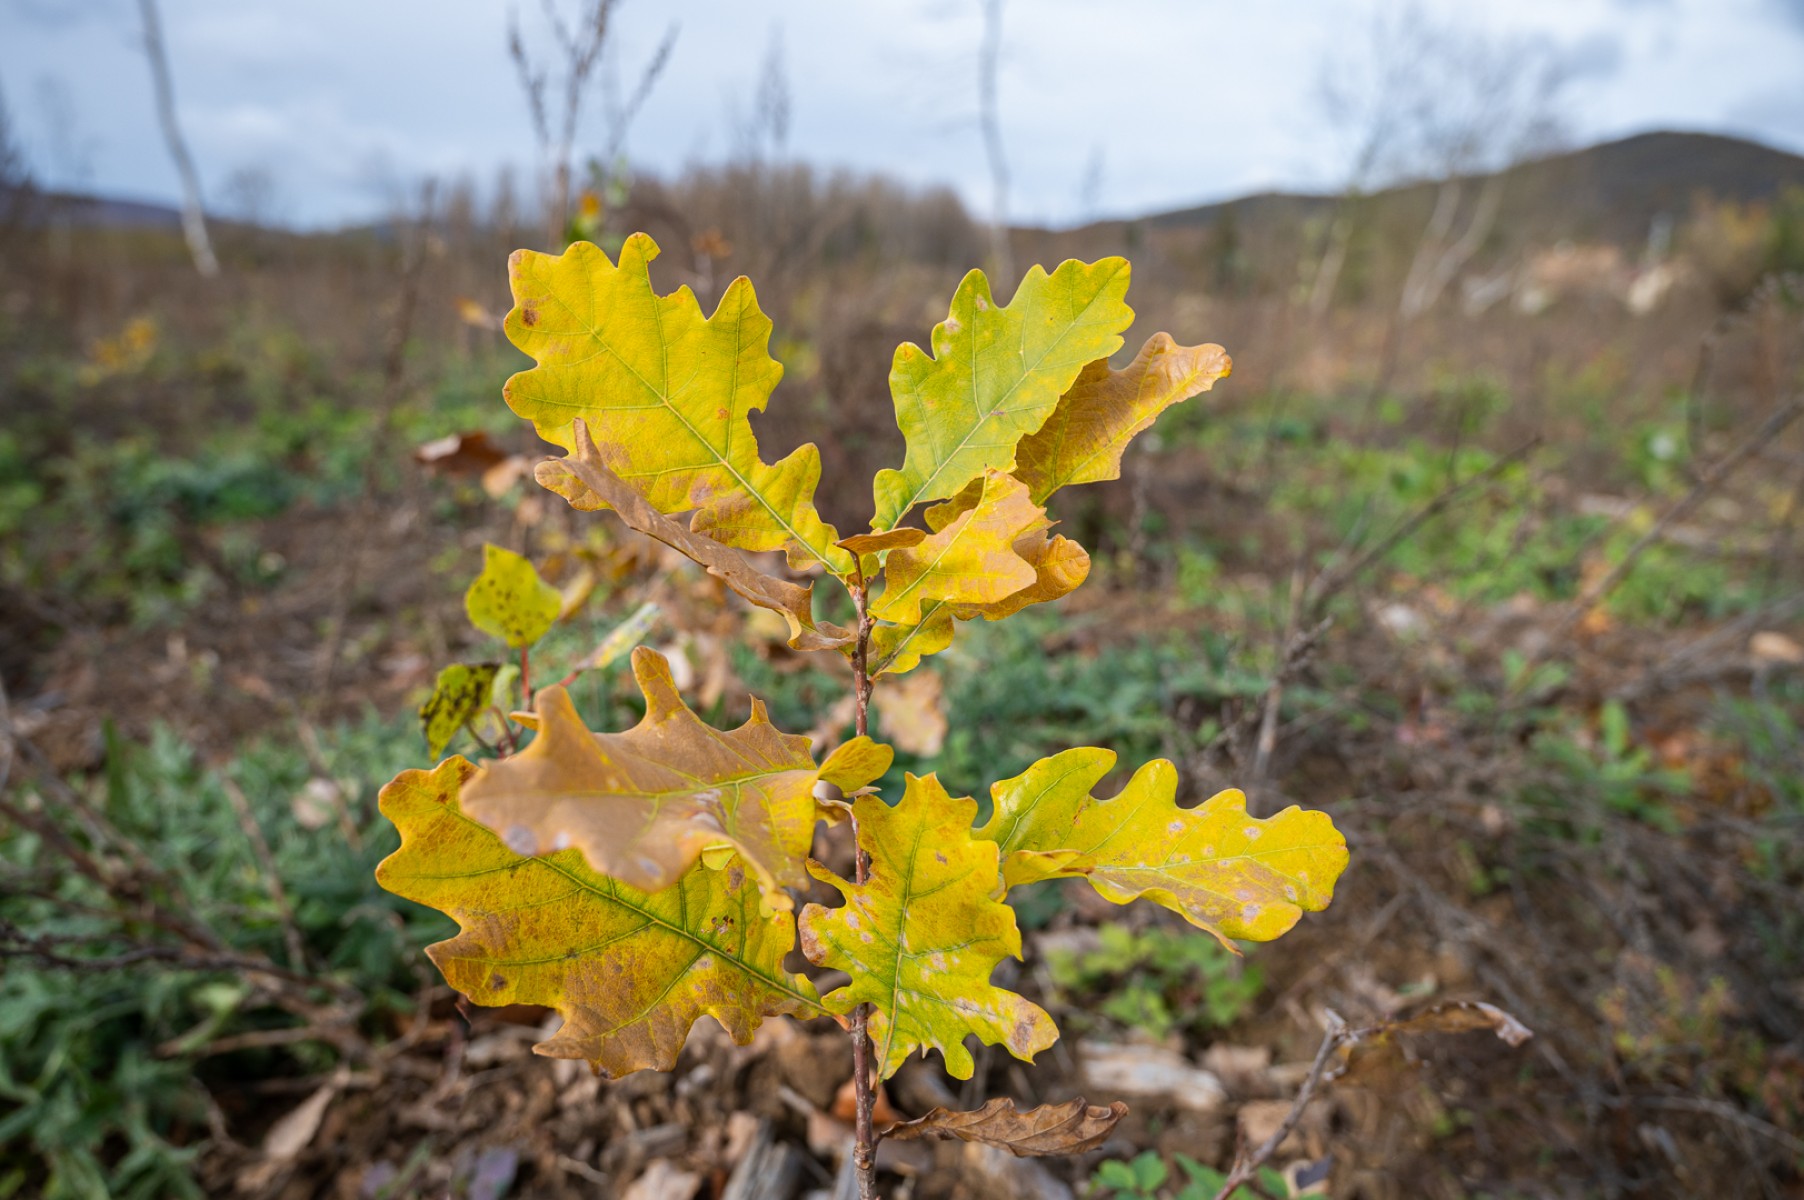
(106,1052)
(1160,981)
(1606,768)
(1145,1175)
(638,880)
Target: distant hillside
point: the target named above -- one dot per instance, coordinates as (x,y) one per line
(93,212)
(1613,191)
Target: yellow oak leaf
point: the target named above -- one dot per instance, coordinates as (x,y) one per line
(461,692)
(642,806)
(630,972)
(1222,870)
(994,376)
(898,649)
(1059,566)
(921,937)
(510,600)
(667,394)
(972,560)
(1082,441)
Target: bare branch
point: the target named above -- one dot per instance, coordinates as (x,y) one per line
(194,221)
(1708,482)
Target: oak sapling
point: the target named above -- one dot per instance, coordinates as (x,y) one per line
(635,881)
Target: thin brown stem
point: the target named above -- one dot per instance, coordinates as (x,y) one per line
(864,1150)
(525,677)
(1247,1164)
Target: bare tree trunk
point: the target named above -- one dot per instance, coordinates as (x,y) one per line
(1436,262)
(1334,257)
(194,221)
(1434,236)
(1002,260)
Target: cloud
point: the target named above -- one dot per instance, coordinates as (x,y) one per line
(1597,57)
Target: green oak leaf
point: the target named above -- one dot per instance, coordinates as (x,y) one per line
(996,373)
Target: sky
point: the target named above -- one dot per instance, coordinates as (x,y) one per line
(1131,107)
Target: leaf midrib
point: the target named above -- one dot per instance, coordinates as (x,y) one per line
(663,402)
(1000,408)
(776,983)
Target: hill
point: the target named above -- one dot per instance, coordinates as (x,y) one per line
(1613,191)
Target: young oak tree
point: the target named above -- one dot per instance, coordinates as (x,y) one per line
(637,880)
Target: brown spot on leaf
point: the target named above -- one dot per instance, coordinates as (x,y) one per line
(529,316)
(497,981)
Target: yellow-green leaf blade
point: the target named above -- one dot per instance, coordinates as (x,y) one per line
(899,649)
(629,971)
(1234,875)
(643,805)
(995,375)
(460,693)
(667,393)
(1083,440)
(510,600)
(921,937)
(972,560)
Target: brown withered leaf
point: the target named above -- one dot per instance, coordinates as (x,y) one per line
(469,453)
(1069,1128)
(642,806)
(1373,1056)
(911,713)
(588,483)
(1463,1016)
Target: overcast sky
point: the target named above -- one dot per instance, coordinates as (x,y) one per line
(1117,108)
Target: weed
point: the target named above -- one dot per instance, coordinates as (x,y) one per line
(1144,1177)
(1159,981)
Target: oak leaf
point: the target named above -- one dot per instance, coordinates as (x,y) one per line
(642,806)
(587,482)
(630,972)
(461,692)
(667,394)
(971,560)
(1082,441)
(922,935)
(1069,1128)
(1220,869)
(510,600)
(899,649)
(994,376)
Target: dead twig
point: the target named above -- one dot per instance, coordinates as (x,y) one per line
(1246,1165)
(1331,581)
(1708,482)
